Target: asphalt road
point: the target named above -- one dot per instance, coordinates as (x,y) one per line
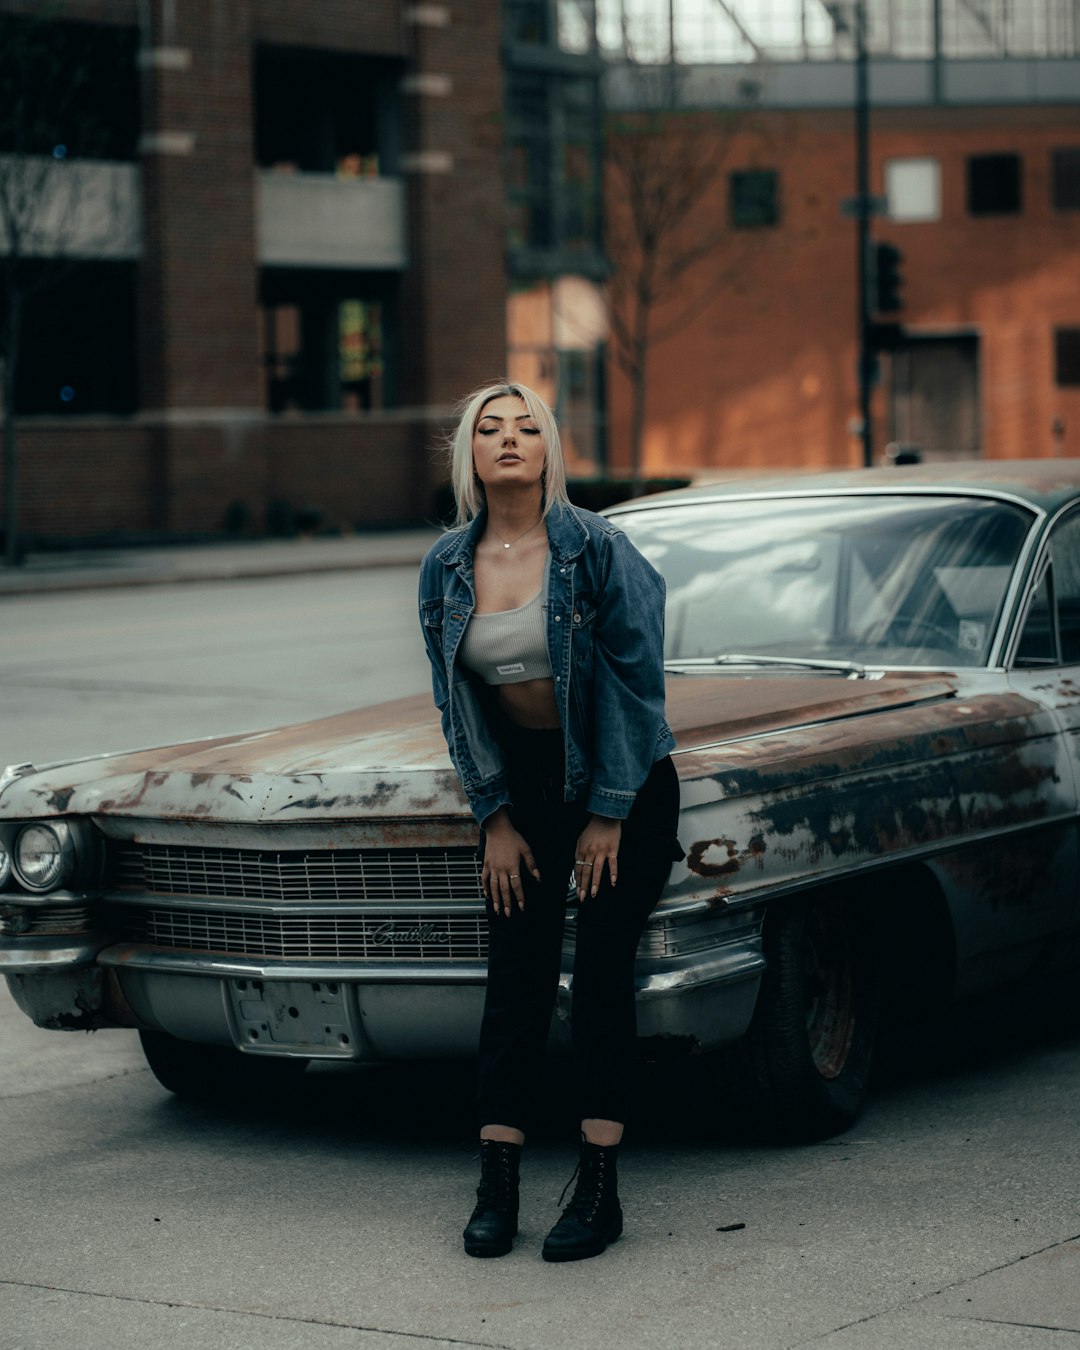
(949,1217)
(86,672)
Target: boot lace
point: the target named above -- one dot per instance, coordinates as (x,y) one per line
(589,1192)
(496,1187)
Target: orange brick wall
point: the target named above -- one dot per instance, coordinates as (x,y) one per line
(765,376)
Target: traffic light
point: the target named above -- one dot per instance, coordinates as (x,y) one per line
(888,281)
(884,337)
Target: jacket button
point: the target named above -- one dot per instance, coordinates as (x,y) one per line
(558,618)
(577,618)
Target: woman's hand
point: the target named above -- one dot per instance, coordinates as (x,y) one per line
(505,855)
(597,848)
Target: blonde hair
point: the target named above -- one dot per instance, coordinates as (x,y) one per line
(468,490)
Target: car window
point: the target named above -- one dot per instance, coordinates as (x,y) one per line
(1065,560)
(890,579)
(1052,624)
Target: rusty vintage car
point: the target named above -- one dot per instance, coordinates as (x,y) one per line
(875,685)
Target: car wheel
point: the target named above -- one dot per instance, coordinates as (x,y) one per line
(215,1073)
(806,1059)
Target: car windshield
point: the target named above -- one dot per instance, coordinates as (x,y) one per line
(883,580)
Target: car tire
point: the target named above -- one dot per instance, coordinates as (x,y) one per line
(216,1073)
(806,1061)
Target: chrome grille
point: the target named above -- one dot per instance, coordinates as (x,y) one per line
(325,937)
(448,874)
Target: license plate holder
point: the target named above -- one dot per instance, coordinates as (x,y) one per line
(309,1017)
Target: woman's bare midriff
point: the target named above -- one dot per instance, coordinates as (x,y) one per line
(530,704)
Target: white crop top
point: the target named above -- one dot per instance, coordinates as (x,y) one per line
(510,646)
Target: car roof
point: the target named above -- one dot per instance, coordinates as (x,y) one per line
(1044,484)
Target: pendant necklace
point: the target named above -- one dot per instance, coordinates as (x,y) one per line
(519,537)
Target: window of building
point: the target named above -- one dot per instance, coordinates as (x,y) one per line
(1067,356)
(552,185)
(326,112)
(754,198)
(527,20)
(325,341)
(913,189)
(69,89)
(569,25)
(994,185)
(553,138)
(77,352)
(1065,179)
(531,147)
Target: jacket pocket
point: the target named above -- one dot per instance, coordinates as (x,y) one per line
(431,614)
(583,615)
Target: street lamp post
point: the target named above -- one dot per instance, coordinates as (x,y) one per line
(850,17)
(867,356)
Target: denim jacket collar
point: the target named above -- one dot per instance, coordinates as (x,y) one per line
(566,535)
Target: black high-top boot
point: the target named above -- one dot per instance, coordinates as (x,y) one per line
(593,1218)
(493,1226)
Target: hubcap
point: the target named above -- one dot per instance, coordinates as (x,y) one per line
(829,974)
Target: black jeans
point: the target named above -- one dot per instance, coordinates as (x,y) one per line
(525,947)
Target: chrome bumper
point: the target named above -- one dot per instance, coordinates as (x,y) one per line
(359,1010)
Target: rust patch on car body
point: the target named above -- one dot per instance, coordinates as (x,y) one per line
(922,780)
(696,859)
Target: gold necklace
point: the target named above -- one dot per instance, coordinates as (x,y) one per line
(519,537)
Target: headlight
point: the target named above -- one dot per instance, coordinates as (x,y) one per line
(44,856)
(5,865)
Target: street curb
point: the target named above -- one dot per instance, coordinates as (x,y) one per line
(28,585)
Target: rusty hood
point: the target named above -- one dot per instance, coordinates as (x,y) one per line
(716,706)
(390,761)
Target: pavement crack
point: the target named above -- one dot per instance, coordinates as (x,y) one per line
(831,1331)
(1008,1322)
(933,1293)
(1003,1265)
(251,1312)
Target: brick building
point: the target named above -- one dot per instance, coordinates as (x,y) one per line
(304,230)
(975,172)
(287,263)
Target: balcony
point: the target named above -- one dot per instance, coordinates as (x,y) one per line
(71,208)
(321,220)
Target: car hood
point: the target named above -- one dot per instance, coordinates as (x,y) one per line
(390,761)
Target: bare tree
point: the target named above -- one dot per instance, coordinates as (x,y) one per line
(670,250)
(54,206)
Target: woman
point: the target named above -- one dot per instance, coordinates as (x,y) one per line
(544,626)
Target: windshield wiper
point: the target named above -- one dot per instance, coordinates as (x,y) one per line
(851,669)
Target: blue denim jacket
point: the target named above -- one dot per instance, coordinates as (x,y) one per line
(605,634)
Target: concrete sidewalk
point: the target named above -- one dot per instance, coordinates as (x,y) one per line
(90,569)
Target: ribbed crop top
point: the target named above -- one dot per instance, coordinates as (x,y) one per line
(510,646)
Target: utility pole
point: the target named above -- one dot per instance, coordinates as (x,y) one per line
(867,355)
(850,17)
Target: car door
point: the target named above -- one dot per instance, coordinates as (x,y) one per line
(1045,666)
